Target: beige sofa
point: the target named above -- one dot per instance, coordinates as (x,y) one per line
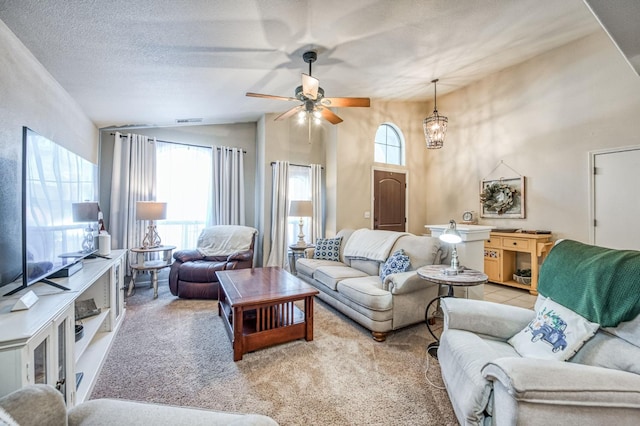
(42,405)
(353,286)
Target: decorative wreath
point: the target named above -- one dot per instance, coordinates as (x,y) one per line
(498,197)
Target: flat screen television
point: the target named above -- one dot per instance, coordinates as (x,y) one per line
(53,179)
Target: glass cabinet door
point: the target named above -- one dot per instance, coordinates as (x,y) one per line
(40,361)
(39,350)
(118,287)
(61,383)
(63,363)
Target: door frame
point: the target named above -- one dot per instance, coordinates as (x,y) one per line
(395,169)
(592,184)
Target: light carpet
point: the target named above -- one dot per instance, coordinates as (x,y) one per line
(175,351)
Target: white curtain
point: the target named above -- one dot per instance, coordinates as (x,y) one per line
(317,221)
(228,187)
(189,206)
(279,215)
(133,179)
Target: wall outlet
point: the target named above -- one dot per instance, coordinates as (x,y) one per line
(367,215)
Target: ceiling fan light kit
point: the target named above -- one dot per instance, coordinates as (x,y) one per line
(314,104)
(435,126)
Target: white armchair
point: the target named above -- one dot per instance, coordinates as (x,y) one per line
(489,382)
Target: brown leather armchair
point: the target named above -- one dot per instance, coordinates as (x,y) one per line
(221,247)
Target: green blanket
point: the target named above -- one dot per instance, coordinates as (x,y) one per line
(601,284)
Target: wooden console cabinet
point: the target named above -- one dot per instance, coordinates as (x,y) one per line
(500,252)
(38,345)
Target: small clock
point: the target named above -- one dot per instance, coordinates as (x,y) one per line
(469,217)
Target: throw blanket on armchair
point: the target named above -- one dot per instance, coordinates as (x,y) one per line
(601,284)
(223,240)
(371,244)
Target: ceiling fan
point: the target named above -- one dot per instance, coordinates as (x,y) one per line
(312,97)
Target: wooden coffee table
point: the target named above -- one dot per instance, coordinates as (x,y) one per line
(258,310)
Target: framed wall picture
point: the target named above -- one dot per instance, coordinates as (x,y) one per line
(503,198)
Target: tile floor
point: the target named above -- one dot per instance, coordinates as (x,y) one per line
(509,295)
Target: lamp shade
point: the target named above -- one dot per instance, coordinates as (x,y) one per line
(85,211)
(301,208)
(451,234)
(151,210)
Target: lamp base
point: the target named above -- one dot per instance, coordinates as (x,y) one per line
(453,271)
(87,243)
(151,238)
(301,242)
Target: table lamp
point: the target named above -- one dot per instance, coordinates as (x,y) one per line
(151,210)
(86,212)
(301,208)
(452,236)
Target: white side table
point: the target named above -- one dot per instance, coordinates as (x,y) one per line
(296,252)
(150,259)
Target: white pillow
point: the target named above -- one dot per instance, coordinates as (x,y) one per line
(555,333)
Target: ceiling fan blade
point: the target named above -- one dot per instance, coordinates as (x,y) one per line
(328,115)
(279,98)
(310,86)
(346,102)
(289,113)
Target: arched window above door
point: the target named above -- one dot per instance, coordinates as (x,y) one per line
(389,145)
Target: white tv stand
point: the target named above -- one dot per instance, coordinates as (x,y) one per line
(38,345)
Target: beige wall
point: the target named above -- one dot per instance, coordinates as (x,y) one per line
(354,163)
(541,118)
(284,141)
(29,96)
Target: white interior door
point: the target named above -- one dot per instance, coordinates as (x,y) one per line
(615,196)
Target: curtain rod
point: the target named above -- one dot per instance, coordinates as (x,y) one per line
(297,165)
(179,143)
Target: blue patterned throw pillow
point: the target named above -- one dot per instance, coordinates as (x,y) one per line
(327,249)
(397,262)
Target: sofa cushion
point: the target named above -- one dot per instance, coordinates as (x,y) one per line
(200,271)
(608,351)
(627,330)
(308,266)
(345,234)
(369,267)
(367,292)
(327,249)
(397,262)
(555,333)
(422,250)
(371,244)
(331,275)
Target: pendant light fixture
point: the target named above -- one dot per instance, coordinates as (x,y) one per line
(435,126)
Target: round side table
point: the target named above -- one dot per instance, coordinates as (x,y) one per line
(150,259)
(435,273)
(296,252)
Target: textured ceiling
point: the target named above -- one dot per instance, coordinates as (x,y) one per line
(153,61)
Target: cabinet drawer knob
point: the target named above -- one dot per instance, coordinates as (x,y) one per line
(515,243)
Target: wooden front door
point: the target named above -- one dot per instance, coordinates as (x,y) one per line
(389,200)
